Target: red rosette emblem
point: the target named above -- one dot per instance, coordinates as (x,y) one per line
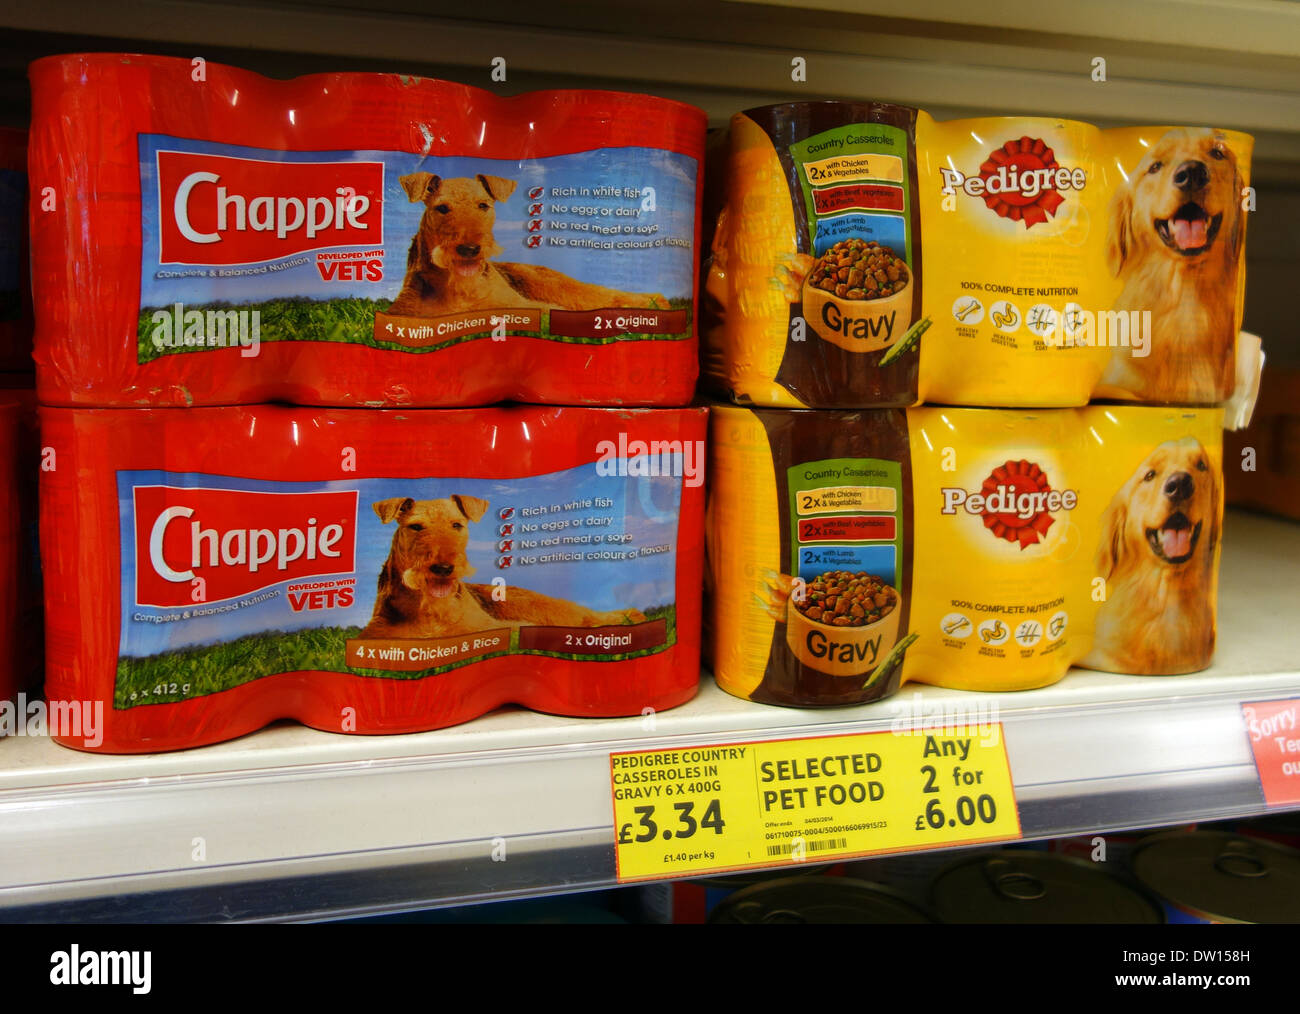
(1017,477)
(1028,153)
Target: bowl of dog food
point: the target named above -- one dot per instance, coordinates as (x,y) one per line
(858,296)
(844,623)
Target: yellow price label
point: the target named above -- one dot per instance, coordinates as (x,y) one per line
(738,806)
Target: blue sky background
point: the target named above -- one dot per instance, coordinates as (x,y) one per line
(645,506)
(668,270)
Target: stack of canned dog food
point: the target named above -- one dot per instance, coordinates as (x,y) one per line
(271,319)
(279,479)
(870,266)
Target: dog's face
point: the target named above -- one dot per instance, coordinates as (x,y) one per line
(459,215)
(428,551)
(1166,515)
(1182,201)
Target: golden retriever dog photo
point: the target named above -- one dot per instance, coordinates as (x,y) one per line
(1174,240)
(449,267)
(1159,536)
(422,592)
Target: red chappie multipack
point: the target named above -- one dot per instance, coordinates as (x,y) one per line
(210,570)
(203,235)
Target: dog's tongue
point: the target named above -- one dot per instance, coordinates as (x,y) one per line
(467,269)
(1188,233)
(1175,542)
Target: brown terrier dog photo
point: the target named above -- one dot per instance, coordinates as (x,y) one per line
(449,267)
(1175,240)
(422,591)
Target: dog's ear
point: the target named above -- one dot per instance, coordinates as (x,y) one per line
(498,187)
(420,186)
(1117,236)
(1110,550)
(393,507)
(471,506)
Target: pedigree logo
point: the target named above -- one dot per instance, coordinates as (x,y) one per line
(1015,502)
(210,545)
(1021,181)
(215,209)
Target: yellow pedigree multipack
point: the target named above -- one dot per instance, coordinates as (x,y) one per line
(980,549)
(865,254)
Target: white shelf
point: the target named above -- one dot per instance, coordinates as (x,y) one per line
(297,823)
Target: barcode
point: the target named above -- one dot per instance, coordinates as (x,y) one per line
(821,845)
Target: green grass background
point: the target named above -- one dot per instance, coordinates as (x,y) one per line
(348,320)
(210,669)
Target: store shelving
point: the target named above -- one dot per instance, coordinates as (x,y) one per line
(293,823)
(290,823)
(1175,61)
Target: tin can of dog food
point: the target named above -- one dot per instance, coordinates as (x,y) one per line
(689,902)
(1282,828)
(1026,887)
(210,570)
(908,873)
(817,900)
(850,552)
(1219,877)
(358,240)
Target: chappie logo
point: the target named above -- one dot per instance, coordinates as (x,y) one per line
(196,545)
(179,328)
(219,209)
(651,457)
